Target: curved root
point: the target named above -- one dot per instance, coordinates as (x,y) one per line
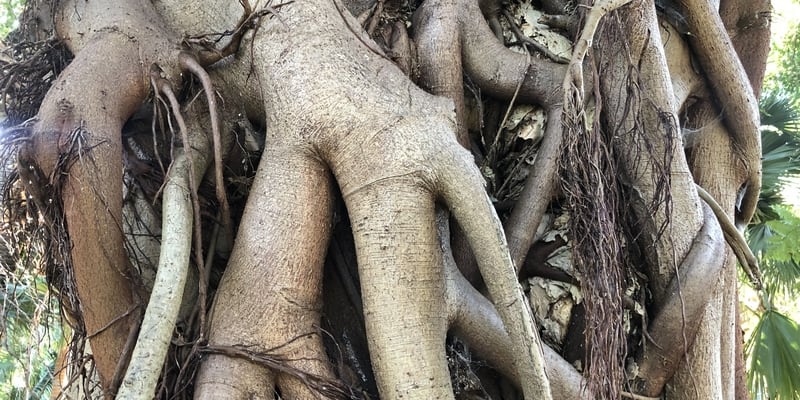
(735,239)
(158,324)
(673,329)
(462,190)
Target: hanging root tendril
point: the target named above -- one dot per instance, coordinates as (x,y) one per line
(735,240)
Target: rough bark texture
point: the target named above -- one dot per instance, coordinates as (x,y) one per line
(82,117)
(346,134)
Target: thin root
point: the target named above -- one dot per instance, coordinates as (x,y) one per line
(735,239)
(584,42)
(209,54)
(190,63)
(527,40)
(161,85)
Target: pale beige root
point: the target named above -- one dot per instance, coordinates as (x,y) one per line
(462,191)
(399,263)
(472,317)
(274,277)
(438,40)
(735,239)
(672,331)
(728,80)
(159,320)
(498,71)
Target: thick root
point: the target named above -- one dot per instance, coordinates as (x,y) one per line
(678,320)
(461,189)
(274,276)
(713,48)
(402,288)
(159,320)
(473,318)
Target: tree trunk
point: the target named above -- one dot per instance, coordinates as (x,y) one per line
(343,130)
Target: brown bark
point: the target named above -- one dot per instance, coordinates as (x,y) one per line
(81,117)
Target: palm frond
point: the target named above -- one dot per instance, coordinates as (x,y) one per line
(774,351)
(780,151)
(778,110)
(780,158)
(774,242)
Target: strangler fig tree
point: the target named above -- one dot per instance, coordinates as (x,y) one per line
(350,199)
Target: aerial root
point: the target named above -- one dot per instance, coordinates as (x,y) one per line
(189,62)
(463,192)
(730,85)
(595,14)
(735,240)
(159,320)
(179,225)
(161,85)
(673,329)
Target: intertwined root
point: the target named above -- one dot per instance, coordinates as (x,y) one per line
(392,161)
(76,144)
(398,157)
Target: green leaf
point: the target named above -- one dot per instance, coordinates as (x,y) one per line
(780,142)
(774,242)
(774,352)
(778,110)
(31,335)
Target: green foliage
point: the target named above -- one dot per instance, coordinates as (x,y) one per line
(775,244)
(774,347)
(30,337)
(787,78)
(775,229)
(774,350)
(780,141)
(9,12)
